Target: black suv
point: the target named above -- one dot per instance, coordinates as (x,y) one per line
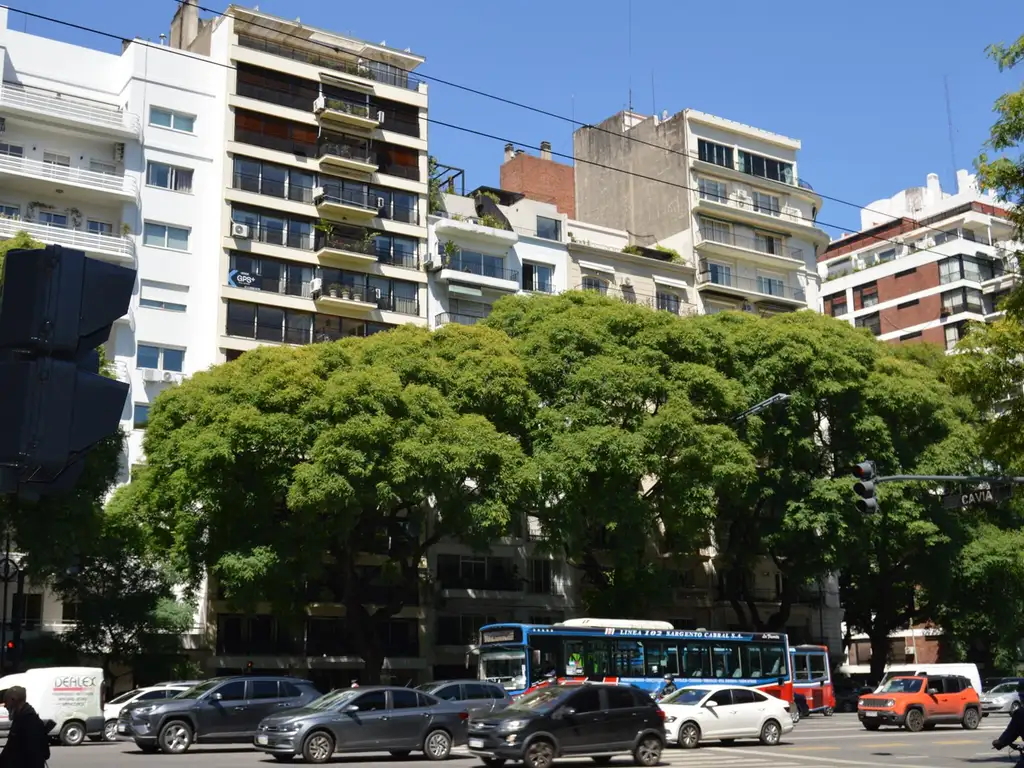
(223,710)
(591,720)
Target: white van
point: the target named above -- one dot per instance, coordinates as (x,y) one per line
(72,697)
(970,671)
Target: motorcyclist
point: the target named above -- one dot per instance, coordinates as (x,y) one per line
(1016,727)
(670,686)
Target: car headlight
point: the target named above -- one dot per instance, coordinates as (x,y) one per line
(670,719)
(513,725)
(290,727)
(145,710)
(890,702)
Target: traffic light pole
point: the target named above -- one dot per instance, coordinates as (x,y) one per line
(950,479)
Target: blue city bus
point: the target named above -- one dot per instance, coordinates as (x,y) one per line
(641,653)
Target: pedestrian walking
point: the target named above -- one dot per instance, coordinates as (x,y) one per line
(28,743)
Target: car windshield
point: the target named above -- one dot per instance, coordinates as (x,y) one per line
(686,696)
(125,696)
(1005,688)
(539,700)
(428,687)
(198,690)
(334,699)
(902,685)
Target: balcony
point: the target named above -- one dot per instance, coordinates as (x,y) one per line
(241,230)
(354,298)
(61,110)
(759,289)
(444,318)
(15,167)
(367,250)
(472,228)
(755,213)
(349,205)
(465,269)
(667,302)
(117,250)
(344,113)
(728,243)
(350,156)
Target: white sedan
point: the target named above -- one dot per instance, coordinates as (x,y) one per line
(724,712)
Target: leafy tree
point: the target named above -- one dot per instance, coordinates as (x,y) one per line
(328,472)
(631,444)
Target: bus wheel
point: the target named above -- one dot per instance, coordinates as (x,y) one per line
(828,712)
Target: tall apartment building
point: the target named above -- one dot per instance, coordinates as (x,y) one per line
(726,195)
(116,155)
(925,263)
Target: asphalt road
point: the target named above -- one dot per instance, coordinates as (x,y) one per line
(817,742)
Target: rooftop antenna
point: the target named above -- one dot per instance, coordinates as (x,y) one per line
(949,123)
(654,102)
(629,56)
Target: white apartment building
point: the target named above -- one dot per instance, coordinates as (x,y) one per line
(727,196)
(925,263)
(116,155)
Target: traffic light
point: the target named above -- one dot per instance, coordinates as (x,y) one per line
(865,487)
(248,667)
(56,308)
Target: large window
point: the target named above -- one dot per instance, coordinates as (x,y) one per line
(765,203)
(719,154)
(165,236)
(962,300)
(481,264)
(276,87)
(872,322)
(273,180)
(162,358)
(716,231)
(538,277)
(169,177)
(275,228)
(271,275)
(549,229)
(836,305)
(272,324)
(275,133)
(176,121)
(865,296)
(710,189)
(765,167)
(966,268)
(954,333)
(140,415)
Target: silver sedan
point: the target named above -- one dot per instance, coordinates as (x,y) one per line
(1003,699)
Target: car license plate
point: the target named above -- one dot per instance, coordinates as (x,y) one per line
(476,743)
(870,714)
(262,740)
(122,728)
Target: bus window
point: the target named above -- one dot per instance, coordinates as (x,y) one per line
(662,658)
(598,661)
(725,661)
(574,657)
(801,673)
(694,660)
(545,656)
(818,666)
(764,661)
(629,658)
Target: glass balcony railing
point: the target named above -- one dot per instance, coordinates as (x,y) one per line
(762,286)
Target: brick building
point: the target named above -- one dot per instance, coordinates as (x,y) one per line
(540,178)
(925,263)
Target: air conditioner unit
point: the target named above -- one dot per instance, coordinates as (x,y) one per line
(433,262)
(316,287)
(170,376)
(909,650)
(119,152)
(320,104)
(381,116)
(150,374)
(318,195)
(380,203)
(240,230)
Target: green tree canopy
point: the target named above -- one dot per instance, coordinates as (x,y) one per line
(327,472)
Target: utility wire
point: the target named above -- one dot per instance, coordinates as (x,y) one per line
(464,129)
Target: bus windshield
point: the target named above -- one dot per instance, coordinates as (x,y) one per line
(507,667)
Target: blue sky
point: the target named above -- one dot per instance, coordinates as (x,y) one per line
(860,83)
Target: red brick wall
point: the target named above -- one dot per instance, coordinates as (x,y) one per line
(903,284)
(543,180)
(926,309)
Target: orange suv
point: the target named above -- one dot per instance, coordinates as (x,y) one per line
(921,703)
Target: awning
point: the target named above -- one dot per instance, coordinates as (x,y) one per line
(465,290)
(592,266)
(670,281)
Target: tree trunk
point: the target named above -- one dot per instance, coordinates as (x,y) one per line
(880,647)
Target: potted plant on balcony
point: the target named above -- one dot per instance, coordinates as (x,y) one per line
(357,293)
(346,292)
(450,250)
(334,290)
(126,230)
(369,241)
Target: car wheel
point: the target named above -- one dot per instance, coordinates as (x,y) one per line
(771,733)
(72,734)
(796,714)
(437,745)
(1014,707)
(689,735)
(318,747)
(914,721)
(110,730)
(400,753)
(540,754)
(971,719)
(602,759)
(648,752)
(493,762)
(175,738)
(872,726)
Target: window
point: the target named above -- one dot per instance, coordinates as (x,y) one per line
(592,283)
(165,359)
(839,268)
(743,696)
(667,301)
(954,333)
(448,693)
(272,227)
(766,243)
(911,336)
(56,158)
(588,699)
(908,304)
(11,150)
(289,690)
(722,698)
(374,701)
(276,133)
(538,277)
(906,272)
(167,296)
(710,189)
(620,697)
(264,689)
(836,305)
(872,322)
(716,231)
(10,211)
(404,699)
(887,256)
(176,121)
(772,286)
(30,608)
(718,154)
(51,219)
(720,274)
(765,167)
(140,416)
(725,661)
(477,691)
(169,177)
(765,203)
(541,582)
(549,229)
(101,166)
(865,296)
(233,691)
(69,611)
(154,695)
(945,237)
(962,300)
(164,236)
(99,227)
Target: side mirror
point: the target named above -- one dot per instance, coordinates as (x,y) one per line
(351,708)
(710,704)
(217,697)
(933,691)
(566,712)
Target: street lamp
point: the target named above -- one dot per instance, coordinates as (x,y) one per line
(781,397)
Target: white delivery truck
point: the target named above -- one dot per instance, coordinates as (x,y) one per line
(72,697)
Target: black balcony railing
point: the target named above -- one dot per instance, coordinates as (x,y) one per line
(286,190)
(356,151)
(767,246)
(353,108)
(278,143)
(454,317)
(666,302)
(760,285)
(459,264)
(381,73)
(278,236)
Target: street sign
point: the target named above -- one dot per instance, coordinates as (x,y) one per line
(977,496)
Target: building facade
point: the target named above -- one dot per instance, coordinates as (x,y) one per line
(925,264)
(540,178)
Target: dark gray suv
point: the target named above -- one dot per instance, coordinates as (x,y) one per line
(478,697)
(223,710)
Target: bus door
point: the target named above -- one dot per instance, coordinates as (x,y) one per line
(820,677)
